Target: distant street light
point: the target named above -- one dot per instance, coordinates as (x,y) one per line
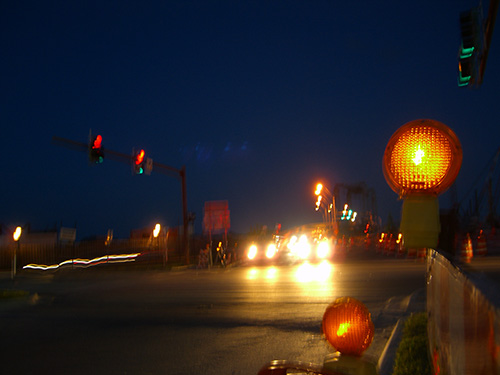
(318,189)
(156,231)
(330,211)
(16,236)
(164,241)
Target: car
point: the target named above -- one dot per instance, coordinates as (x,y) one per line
(263,250)
(303,247)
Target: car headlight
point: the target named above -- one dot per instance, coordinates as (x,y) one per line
(252,252)
(271,250)
(323,250)
(303,247)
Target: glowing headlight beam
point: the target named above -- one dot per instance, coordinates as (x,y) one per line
(303,247)
(323,250)
(271,251)
(252,252)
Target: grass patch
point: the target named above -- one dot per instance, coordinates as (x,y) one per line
(7,294)
(412,355)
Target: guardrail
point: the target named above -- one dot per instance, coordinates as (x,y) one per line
(464,319)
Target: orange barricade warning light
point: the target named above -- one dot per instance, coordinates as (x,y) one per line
(422,157)
(348,326)
(421,161)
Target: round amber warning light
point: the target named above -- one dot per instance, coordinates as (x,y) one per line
(422,157)
(348,326)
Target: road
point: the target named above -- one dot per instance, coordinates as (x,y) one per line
(218,321)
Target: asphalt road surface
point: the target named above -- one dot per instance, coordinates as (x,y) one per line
(218,321)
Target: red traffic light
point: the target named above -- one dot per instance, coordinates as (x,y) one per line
(97,142)
(96,153)
(139,157)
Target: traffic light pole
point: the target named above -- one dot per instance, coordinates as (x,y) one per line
(488,33)
(162,168)
(185,220)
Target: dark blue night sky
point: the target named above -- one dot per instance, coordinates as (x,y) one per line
(258,99)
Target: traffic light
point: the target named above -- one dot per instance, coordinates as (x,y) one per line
(421,161)
(96,152)
(470,50)
(138,162)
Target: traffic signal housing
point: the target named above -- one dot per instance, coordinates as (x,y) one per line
(471,45)
(96,151)
(138,162)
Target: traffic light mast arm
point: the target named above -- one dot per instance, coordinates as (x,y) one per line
(118,156)
(79,146)
(166,169)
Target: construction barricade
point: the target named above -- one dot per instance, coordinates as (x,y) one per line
(412,253)
(368,242)
(422,253)
(391,250)
(481,244)
(203,259)
(400,249)
(466,252)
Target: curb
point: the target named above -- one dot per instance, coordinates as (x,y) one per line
(415,302)
(386,360)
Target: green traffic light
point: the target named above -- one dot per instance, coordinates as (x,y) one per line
(463,81)
(466,52)
(138,169)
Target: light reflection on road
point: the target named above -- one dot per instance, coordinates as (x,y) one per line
(307,272)
(316,280)
(271,273)
(313,280)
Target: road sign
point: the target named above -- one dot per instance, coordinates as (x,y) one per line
(216,217)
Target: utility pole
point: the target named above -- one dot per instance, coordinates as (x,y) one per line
(489,25)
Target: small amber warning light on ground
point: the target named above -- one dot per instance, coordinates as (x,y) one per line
(348,326)
(422,157)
